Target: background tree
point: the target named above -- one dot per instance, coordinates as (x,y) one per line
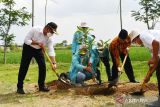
(149,12)
(64,42)
(10,16)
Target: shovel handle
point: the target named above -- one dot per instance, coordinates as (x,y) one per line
(149,74)
(93,77)
(124,61)
(43,49)
(143,85)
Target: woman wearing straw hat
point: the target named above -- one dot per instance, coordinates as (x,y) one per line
(81,36)
(80,71)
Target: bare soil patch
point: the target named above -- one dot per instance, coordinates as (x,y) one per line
(95,89)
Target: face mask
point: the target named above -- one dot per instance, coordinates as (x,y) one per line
(49,34)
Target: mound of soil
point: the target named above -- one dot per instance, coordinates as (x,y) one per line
(95,89)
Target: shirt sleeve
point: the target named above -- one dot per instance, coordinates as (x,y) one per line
(113,48)
(51,51)
(74,43)
(28,38)
(76,63)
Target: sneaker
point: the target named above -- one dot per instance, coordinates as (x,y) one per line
(20,91)
(43,89)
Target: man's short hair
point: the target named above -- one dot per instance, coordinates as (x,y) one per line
(123,34)
(52,25)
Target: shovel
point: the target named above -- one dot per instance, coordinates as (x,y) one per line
(66,81)
(147,78)
(124,61)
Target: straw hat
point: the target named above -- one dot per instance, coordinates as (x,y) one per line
(133,34)
(83,24)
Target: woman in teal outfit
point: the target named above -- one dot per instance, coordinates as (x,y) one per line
(81,36)
(80,71)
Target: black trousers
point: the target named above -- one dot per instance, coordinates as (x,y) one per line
(158,76)
(27,54)
(105,61)
(127,67)
(98,77)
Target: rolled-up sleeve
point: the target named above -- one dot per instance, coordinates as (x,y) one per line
(51,51)
(28,38)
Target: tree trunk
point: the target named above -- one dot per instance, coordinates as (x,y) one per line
(4,58)
(146,12)
(148,25)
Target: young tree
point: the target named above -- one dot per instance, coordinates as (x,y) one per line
(149,12)
(10,16)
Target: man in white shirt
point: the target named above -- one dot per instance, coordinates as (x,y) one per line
(34,42)
(151,40)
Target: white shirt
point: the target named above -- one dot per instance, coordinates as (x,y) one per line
(147,38)
(36,34)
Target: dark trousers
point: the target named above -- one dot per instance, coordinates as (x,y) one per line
(158,76)
(105,61)
(98,77)
(127,67)
(27,54)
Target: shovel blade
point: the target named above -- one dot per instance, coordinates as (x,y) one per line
(138,93)
(64,78)
(65,81)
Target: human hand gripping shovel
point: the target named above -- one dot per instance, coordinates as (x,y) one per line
(146,80)
(66,81)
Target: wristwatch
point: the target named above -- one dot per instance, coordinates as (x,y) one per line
(53,62)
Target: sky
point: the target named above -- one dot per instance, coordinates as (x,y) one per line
(101,15)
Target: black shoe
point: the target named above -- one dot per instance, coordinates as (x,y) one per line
(20,91)
(134,81)
(43,89)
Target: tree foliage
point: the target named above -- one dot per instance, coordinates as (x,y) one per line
(149,12)
(10,16)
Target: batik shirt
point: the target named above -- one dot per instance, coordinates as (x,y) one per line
(118,47)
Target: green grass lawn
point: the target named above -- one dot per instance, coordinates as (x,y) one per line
(9,72)
(65,56)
